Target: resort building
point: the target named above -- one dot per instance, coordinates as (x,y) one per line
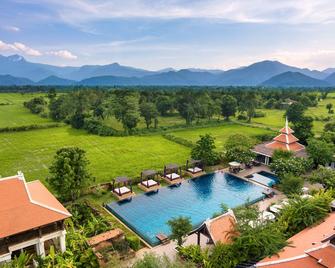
(312,247)
(219,229)
(285,141)
(31,218)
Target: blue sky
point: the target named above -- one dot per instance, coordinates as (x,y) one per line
(155,34)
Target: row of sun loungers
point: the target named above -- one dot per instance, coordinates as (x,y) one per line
(122,188)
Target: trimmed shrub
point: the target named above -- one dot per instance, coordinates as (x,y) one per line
(134,242)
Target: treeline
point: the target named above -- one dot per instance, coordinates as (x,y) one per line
(88,109)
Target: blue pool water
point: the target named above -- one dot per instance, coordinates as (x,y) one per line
(198,199)
(265,178)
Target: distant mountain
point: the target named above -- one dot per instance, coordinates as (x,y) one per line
(116,74)
(110,81)
(329,71)
(294,79)
(55,81)
(331,79)
(256,73)
(114,69)
(8,80)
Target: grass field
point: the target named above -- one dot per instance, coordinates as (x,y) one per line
(220,133)
(14,114)
(32,152)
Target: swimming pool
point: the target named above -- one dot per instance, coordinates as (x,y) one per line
(198,199)
(264,178)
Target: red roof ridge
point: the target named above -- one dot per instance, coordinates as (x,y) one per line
(21,177)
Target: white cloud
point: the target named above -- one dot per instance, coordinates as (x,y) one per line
(19,47)
(65,54)
(24,49)
(254,11)
(27,50)
(11,28)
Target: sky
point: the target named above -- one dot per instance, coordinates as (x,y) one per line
(156,34)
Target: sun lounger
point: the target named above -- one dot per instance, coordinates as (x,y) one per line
(194,170)
(275,208)
(172,176)
(163,238)
(267,216)
(149,183)
(122,190)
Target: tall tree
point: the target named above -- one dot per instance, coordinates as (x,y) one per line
(68,173)
(295,112)
(228,106)
(238,148)
(320,151)
(149,113)
(180,227)
(126,109)
(303,128)
(204,150)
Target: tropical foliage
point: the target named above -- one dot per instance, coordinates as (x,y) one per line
(204,150)
(68,173)
(180,227)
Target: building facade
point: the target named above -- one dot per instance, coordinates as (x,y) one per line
(31,218)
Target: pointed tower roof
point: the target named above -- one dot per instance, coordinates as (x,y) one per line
(286,129)
(285,140)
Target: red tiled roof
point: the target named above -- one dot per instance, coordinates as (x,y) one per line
(285,138)
(324,256)
(286,130)
(302,242)
(275,145)
(25,206)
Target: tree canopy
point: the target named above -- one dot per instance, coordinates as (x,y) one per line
(68,173)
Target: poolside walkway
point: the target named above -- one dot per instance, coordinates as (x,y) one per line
(169,249)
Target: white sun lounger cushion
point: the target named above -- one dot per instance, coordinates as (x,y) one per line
(122,190)
(173,176)
(149,183)
(195,170)
(275,208)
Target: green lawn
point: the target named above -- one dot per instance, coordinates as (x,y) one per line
(273,118)
(32,152)
(220,133)
(15,114)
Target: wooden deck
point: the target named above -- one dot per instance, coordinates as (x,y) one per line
(194,175)
(173,182)
(149,189)
(124,196)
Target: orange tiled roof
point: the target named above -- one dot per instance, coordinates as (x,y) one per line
(285,138)
(286,130)
(25,206)
(220,228)
(307,239)
(275,145)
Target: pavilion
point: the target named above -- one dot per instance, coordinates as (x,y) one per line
(220,229)
(285,141)
(31,218)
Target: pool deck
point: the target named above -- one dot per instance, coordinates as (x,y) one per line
(169,249)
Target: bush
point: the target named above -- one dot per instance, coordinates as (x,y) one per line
(258,114)
(178,140)
(194,253)
(96,127)
(291,184)
(134,242)
(242,117)
(29,127)
(264,137)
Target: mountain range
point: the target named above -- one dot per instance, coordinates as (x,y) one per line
(16,70)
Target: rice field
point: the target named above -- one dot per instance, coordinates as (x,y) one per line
(33,151)
(13,113)
(221,133)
